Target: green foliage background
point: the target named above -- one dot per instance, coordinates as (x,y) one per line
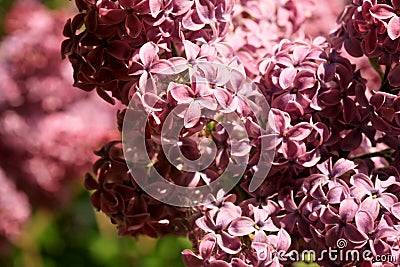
(77,236)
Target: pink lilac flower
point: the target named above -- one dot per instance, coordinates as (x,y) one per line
(376,197)
(253,250)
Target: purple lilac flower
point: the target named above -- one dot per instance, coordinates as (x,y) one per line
(376,197)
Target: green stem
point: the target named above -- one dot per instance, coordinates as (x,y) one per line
(377,67)
(383,153)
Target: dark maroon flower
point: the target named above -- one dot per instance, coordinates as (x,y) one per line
(295,217)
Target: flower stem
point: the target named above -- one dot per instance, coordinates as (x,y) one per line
(383,153)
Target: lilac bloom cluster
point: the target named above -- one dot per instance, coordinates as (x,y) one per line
(259,25)
(120,198)
(347,202)
(372,28)
(48,129)
(117,193)
(106,36)
(335,167)
(245,235)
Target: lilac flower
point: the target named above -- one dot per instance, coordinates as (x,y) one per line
(395,210)
(295,217)
(195,97)
(262,222)
(287,134)
(375,192)
(216,225)
(340,223)
(330,174)
(221,201)
(150,64)
(371,28)
(127,16)
(375,235)
(261,198)
(207,256)
(290,75)
(386,112)
(202,14)
(259,25)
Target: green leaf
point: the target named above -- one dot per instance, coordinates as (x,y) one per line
(377,67)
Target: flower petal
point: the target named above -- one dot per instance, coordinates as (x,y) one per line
(353,234)
(133,25)
(286,77)
(348,209)
(393,28)
(241,226)
(229,244)
(207,245)
(147,53)
(382,11)
(364,222)
(395,210)
(181,93)
(342,166)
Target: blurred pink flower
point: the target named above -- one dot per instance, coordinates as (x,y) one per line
(48,129)
(14,209)
(322,18)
